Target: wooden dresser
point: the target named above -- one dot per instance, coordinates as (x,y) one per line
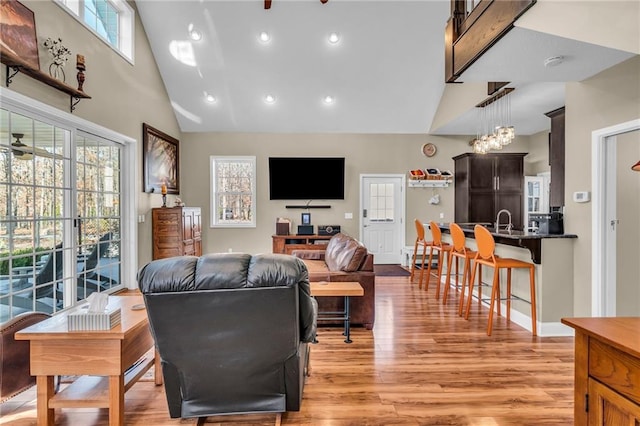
(176,232)
(607,370)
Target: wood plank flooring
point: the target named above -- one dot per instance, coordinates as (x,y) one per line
(421,365)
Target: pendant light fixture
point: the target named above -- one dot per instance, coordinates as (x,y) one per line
(494,123)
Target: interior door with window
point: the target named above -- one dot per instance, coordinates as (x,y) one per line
(382,220)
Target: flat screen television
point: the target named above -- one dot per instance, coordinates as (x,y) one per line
(306,178)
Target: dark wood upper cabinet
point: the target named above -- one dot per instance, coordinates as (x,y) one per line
(556,157)
(488,183)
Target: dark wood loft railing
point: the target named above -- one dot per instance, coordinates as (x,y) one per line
(469,34)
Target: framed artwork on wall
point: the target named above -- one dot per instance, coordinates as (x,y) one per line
(160,157)
(306,218)
(18,32)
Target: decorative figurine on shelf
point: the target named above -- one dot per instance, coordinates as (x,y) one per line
(80,67)
(178,202)
(60,57)
(163,190)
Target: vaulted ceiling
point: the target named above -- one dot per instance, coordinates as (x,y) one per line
(385,74)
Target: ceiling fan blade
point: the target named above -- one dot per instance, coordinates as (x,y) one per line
(21,150)
(44,153)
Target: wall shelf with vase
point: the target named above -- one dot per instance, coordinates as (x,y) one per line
(15,65)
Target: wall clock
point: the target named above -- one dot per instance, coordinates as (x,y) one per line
(429,149)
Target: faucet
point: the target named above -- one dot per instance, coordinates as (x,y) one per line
(509,225)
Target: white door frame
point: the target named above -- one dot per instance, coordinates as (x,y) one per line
(601,266)
(403,204)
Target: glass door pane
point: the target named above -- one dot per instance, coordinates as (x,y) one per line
(98,208)
(33,218)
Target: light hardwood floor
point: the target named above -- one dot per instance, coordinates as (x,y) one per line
(421,365)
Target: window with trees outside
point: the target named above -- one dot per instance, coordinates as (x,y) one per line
(111,20)
(233,191)
(60,215)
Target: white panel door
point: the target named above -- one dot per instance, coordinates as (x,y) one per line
(382,216)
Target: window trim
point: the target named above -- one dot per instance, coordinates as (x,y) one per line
(212,195)
(126,25)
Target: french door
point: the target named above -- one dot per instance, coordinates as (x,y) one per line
(59,214)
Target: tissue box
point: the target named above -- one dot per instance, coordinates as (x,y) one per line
(94,321)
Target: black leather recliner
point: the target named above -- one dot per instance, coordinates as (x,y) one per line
(232,331)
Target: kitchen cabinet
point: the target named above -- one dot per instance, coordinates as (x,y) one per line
(556,157)
(488,183)
(176,232)
(607,367)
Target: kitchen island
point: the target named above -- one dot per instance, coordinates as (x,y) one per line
(552,255)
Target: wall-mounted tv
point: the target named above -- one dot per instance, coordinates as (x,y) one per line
(306,178)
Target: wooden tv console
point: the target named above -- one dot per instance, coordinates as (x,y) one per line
(286,244)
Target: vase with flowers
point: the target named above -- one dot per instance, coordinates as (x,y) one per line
(60,57)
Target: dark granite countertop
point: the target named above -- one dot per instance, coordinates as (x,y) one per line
(514,235)
(527,240)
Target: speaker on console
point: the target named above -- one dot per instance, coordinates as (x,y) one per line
(305,229)
(328,229)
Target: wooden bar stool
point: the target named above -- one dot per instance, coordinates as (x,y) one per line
(420,242)
(486,256)
(459,250)
(443,250)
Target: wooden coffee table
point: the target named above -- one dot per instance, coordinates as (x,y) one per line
(337,288)
(116,354)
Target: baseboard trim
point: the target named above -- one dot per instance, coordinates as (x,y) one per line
(545,329)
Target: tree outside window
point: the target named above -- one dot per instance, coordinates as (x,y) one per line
(233,191)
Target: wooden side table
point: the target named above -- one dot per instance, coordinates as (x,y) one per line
(337,288)
(120,356)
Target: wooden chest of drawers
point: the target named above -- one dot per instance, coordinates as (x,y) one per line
(176,232)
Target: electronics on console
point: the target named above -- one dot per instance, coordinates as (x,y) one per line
(305,230)
(328,229)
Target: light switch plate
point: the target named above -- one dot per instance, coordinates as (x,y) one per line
(581,196)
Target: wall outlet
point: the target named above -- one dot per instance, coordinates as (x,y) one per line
(230,250)
(348,215)
(441,215)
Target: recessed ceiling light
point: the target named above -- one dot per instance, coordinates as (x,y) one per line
(334,38)
(210,98)
(270,99)
(265,37)
(194,34)
(328,99)
(553,61)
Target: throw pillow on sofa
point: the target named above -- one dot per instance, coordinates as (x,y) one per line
(344,253)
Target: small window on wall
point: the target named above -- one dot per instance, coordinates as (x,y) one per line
(233,189)
(111,20)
